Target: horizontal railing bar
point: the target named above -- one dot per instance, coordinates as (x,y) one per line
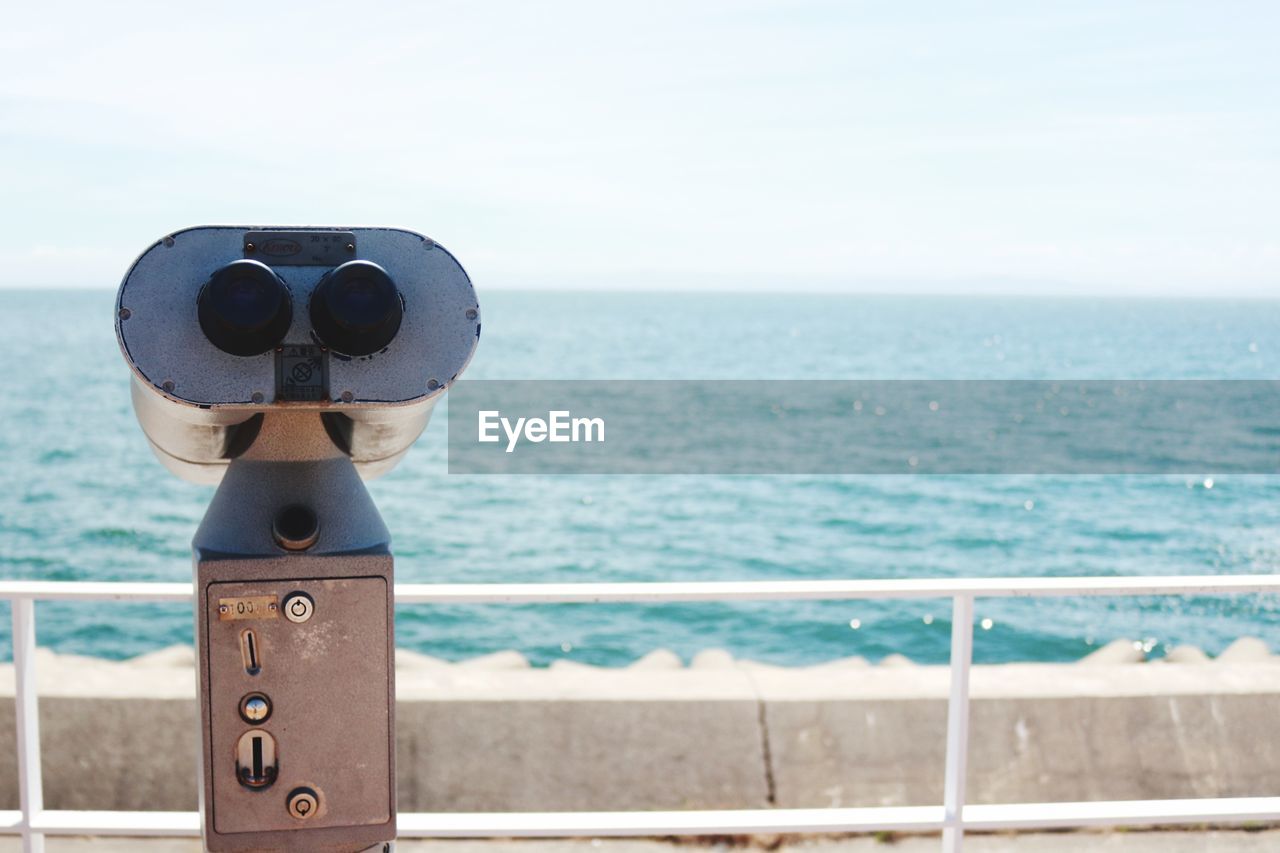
(656,823)
(94,591)
(1224,811)
(155,824)
(585,593)
(1121,813)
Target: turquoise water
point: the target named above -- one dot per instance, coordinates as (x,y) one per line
(85,500)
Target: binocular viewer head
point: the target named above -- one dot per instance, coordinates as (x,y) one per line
(366,327)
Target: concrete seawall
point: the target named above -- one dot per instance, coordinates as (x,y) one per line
(492,734)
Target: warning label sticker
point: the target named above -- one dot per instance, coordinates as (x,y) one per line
(302,373)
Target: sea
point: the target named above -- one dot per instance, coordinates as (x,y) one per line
(83,498)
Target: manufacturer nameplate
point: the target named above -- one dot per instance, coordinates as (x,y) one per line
(300,248)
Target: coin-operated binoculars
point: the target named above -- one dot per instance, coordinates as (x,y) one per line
(288,364)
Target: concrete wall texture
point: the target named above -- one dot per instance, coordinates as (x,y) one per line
(492,735)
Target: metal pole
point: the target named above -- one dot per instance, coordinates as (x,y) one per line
(958,722)
(27,714)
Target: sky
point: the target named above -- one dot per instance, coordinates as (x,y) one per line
(958,147)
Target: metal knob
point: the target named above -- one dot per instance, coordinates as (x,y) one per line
(302,803)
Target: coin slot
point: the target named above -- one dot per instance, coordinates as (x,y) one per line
(256,759)
(249,651)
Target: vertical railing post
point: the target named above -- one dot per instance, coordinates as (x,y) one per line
(957,722)
(27,714)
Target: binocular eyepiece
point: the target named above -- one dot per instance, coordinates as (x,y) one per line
(356,309)
(245,309)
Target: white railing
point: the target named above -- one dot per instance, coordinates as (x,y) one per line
(952,817)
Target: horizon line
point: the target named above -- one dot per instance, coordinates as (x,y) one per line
(1109,296)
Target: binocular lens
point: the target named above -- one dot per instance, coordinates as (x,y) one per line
(356,308)
(245,309)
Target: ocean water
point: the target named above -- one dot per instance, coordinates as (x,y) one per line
(83,499)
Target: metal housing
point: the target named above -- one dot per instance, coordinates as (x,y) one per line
(331,680)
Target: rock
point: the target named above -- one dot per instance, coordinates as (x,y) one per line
(1186,654)
(712,659)
(658,659)
(46,657)
(1245,650)
(761,666)
(896,660)
(507,659)
(177,655)
(853,662)
(1115,652)
(566,665)
(406,659)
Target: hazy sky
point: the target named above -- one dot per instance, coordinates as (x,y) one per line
(1030,147)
